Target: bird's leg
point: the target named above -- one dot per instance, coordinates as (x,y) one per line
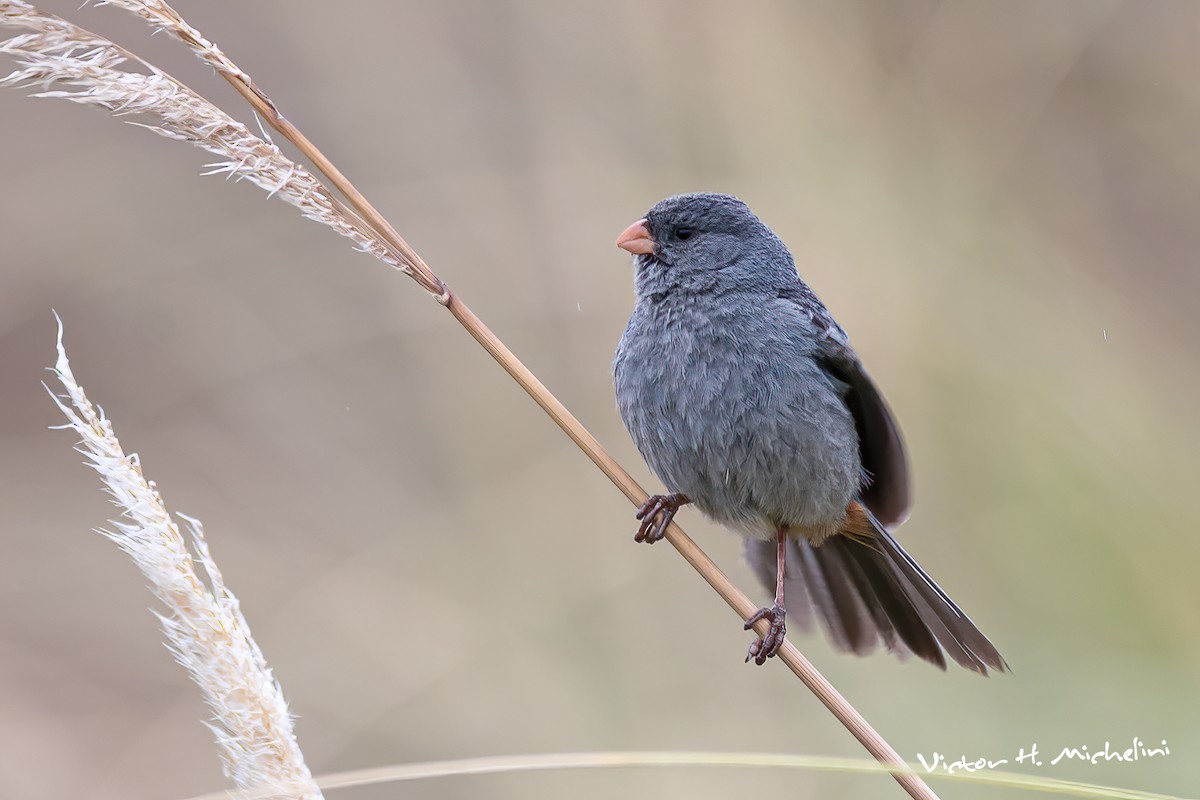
(656,514)
(766,646)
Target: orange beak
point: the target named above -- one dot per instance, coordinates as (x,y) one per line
(636,239)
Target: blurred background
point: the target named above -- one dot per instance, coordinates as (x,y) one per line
(1000,201)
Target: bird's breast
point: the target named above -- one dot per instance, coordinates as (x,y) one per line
(728,405)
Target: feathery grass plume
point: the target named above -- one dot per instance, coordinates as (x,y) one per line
(165,18)
(58,53)
(204,625)
(161,16)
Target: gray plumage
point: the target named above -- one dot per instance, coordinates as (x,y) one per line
(742,393)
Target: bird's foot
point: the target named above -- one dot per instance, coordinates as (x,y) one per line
(766,646)
(656,514)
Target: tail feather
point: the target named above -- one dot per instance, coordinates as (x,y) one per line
(859,631)
(970,647)
(866,588)
(899,622)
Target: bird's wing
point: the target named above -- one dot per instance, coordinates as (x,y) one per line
(888,494)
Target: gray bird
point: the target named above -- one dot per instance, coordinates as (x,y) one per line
(745,398)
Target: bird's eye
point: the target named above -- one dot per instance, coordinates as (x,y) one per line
(683,234)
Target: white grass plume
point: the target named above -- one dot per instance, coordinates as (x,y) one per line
(96,72)
(161,16)
(165,18)
(204,625)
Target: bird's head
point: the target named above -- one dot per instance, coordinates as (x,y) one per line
(699,242)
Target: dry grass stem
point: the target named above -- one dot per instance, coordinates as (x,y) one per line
(249,157)
(642,759)
(203,623)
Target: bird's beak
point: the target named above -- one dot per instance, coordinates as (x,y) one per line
(636,239)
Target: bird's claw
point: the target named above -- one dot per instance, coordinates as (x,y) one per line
(656,515)
(765,647)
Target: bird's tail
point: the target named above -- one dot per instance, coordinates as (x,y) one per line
(865,589)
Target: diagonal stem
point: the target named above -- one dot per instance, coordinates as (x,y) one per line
(423,275)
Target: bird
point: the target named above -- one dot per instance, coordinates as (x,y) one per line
(746,399)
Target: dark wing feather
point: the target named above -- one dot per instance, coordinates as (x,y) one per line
(881,447)
(888,493)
